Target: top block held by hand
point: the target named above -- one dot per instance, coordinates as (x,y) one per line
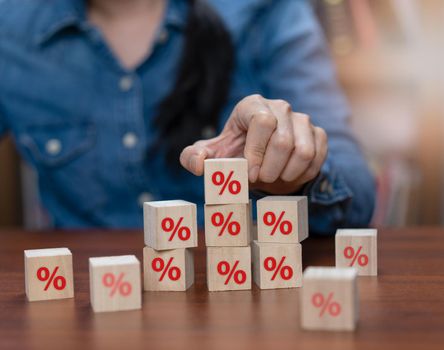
(226,181)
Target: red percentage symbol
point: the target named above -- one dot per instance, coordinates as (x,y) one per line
(218,220)
(224,269)
(109,280)
(183,232)
(44,275)
(332,307)
(362,259)
(285,226)
(271,264)
(218,178)
(158,265)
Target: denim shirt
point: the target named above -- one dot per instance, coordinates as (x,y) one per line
(85,123)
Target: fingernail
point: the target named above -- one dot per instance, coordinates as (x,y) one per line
(253,173)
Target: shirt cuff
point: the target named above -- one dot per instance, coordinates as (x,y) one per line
(328,188)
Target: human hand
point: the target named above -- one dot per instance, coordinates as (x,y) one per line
(284,150)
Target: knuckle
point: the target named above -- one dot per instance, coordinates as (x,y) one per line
(283,142)
(265,119)
(305,152)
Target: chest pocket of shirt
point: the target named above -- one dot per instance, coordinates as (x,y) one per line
(68,166)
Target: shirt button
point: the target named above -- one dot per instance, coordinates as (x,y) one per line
(53,147)
(144,197)
(324,186)
(129,140)
(163,36)
(126,83)
(208,132)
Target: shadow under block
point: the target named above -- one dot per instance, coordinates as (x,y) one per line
(115,283)
(168,270)
(228,268)
(277,265)
(357,248)
(282,219)
(227,225)
(329,299)
(226,181)
(48,274)
(170,224)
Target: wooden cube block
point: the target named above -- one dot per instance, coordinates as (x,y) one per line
(357,248)
(282,219)
(329,299)
(170,224)
(48,274)
(168,270)
(277,265)
(115,283)
(226,181)
(228,268)
(227,225)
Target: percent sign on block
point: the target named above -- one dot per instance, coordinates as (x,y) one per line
(328,305)
(284,227)
(169,226)
(44,275)
(231,272)
(124,288)
(232,186)
(158,265)
(350,253)
(233,227)
(271,265)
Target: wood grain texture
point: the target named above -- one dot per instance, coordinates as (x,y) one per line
(402,308)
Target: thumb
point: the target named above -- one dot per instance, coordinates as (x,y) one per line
(192,157)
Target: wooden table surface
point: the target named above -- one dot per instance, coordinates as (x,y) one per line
(402,307)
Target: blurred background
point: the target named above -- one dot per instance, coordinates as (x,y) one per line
(388,54)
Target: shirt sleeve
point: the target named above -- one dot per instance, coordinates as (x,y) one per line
(295,66)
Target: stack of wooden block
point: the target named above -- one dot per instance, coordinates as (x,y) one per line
(227,224)
(170,231)
(282,223)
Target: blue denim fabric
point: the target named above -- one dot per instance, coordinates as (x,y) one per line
(85,123)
